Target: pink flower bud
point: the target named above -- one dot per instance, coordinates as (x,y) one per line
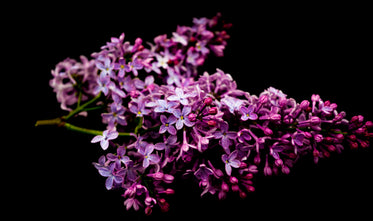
(315,97)
(275,117)
(279,162)
(224,187)
(211,123)
(167,178)
(331,148)
(263,99)
(304,104)
(250,188)
(318,138)
(233,180)
(369,124)
(208,101)
(243,195)
(192,117)
(169,191)
(248,176)
(285,170)
(243,165)
(268,131)
(156,176)
(213,110)
(315,120)
(148,210)
(235,188)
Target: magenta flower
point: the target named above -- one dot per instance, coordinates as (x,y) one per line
(230,161)
(119,158)
(104,138)
(182,117)
(248,113)
(134,66)
(225,136)
(203,172)
(120,66)
(167,124)
(148,156)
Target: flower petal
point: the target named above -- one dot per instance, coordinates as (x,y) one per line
(109,182)
(97,138)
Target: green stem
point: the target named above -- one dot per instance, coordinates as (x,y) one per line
(89,131)
(81,108)
(60,123)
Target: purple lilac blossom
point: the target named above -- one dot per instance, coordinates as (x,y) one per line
(151,92)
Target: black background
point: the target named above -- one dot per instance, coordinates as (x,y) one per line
(50,174)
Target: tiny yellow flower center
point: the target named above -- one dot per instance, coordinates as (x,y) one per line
(166,125)
(182,117)
(138,112)
(121,66)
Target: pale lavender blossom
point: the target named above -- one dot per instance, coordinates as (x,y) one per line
(106,67)
(230,161)
(180,96)
(104,138)
(112,175)
(167,124)
(148,156)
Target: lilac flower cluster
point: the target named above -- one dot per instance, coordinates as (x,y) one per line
(164,121)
